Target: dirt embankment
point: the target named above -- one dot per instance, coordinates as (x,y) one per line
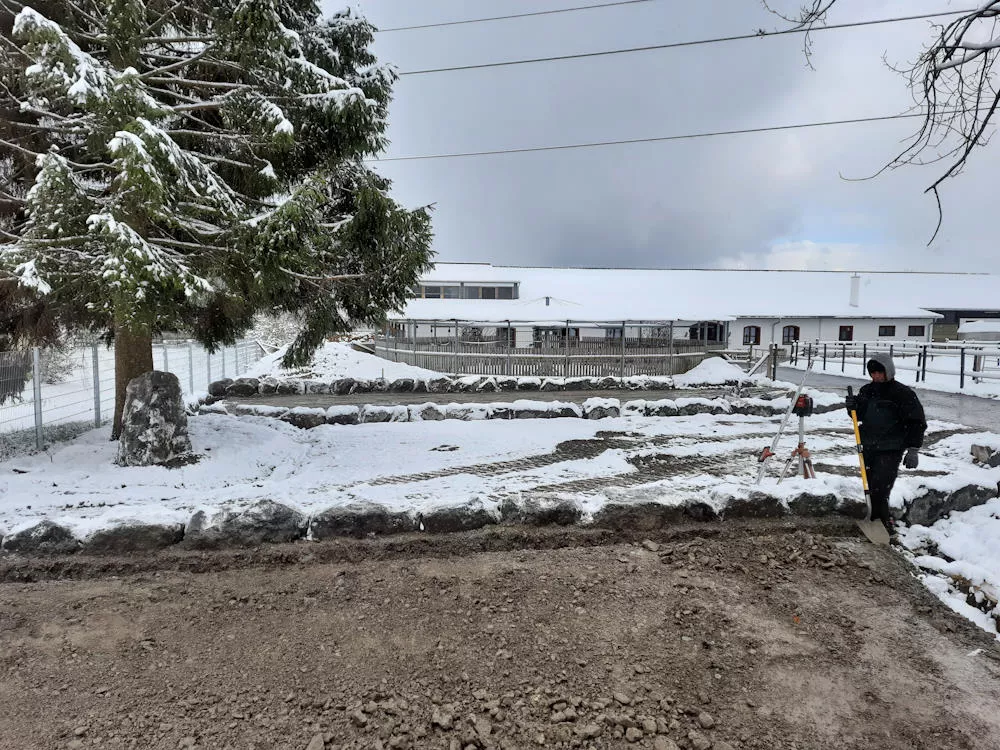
(725,636)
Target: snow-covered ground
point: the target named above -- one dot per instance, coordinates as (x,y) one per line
(424,466)
(336,360)
(985,384)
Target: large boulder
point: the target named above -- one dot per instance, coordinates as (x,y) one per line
(262,522)
(43,537)
(358,521)
(133,537)
(154,422)
(217,388)
(934,505)
(243,387)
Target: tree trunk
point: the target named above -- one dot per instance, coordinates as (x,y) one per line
(133,357)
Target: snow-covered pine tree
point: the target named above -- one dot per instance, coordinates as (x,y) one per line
(184,166)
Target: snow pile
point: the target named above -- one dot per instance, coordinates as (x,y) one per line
(712,371)
(335,360)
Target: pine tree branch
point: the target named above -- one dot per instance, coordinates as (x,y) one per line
(343,277)
(182,39)
(163,17)
(175,80)
(224,160)
(174,94)
(185,245)
(177,65)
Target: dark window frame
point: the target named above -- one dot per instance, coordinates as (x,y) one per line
(848,330)
(887,330)
(916,331)
(751,335)
(795,332)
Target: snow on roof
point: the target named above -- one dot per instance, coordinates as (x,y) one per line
(617,294)
(980,326)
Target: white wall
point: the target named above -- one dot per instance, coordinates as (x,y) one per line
(827,329)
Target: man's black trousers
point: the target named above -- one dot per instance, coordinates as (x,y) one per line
(882,468)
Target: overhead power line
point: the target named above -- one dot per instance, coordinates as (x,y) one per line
(693,43)
(516,15)
(660,139)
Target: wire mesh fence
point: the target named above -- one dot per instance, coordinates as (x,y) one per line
(47,396)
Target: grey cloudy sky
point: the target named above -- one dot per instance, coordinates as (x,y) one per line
(772,200)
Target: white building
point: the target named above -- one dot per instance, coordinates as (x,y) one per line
(737,308)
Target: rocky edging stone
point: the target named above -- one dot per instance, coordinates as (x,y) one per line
(268,522)
(594,408)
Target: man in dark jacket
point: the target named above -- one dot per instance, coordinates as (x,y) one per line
(892,428)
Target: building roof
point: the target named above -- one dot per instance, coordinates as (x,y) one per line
(980,326)
(617,294)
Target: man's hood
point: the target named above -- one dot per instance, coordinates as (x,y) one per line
(884,359)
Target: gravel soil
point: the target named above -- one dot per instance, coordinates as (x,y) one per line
(736,635)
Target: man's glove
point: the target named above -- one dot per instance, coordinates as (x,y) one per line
(851,402)
(911,459)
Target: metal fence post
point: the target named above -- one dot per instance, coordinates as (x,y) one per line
(843,357)
(97,384)
(190,367)
(622,368)
(566,362)
(454,349)
(670,347)
(824,357)
(864,358)
(923,374)
(510,346)
(961,368)
(36,379)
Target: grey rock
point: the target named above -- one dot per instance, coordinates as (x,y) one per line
(133,538)
(706,720)
(304,418)
(814,505)
(500,411)
(316,743)
(358,521)
(343,415)
(664,743)
(540,512)
(633,734)
(663,408)
(757,505)
(439,385)
(44,537)
(263,522)
(217,389)
(607,384)
(983,454)
(579,384)
(553,384)
(530,412)
(154,422)
(601,411)
(290,387)
(934,505)
(269,386)
(243,387)
(343,386)
(380,385)
(402,385)
(361,386)
(529,384)
(376,413)
(644,516)
(426,413)
(460,518)
(316,387)
(488,385)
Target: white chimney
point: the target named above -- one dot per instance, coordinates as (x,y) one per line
(855,290)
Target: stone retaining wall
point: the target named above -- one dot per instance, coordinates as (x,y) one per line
(265,522)
(595,408)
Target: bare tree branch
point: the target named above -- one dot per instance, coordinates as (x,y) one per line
(953,83)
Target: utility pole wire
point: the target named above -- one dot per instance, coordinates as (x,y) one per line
(659,139)
(516,15)
(760,34)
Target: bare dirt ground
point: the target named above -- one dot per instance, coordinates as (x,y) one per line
(746,635)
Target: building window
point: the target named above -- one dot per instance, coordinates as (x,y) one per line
(505,292)
(846,333)
(916,331)
(432,292)
(887,330)
(789,334)
(450,292)
(613,334)
(751,335)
